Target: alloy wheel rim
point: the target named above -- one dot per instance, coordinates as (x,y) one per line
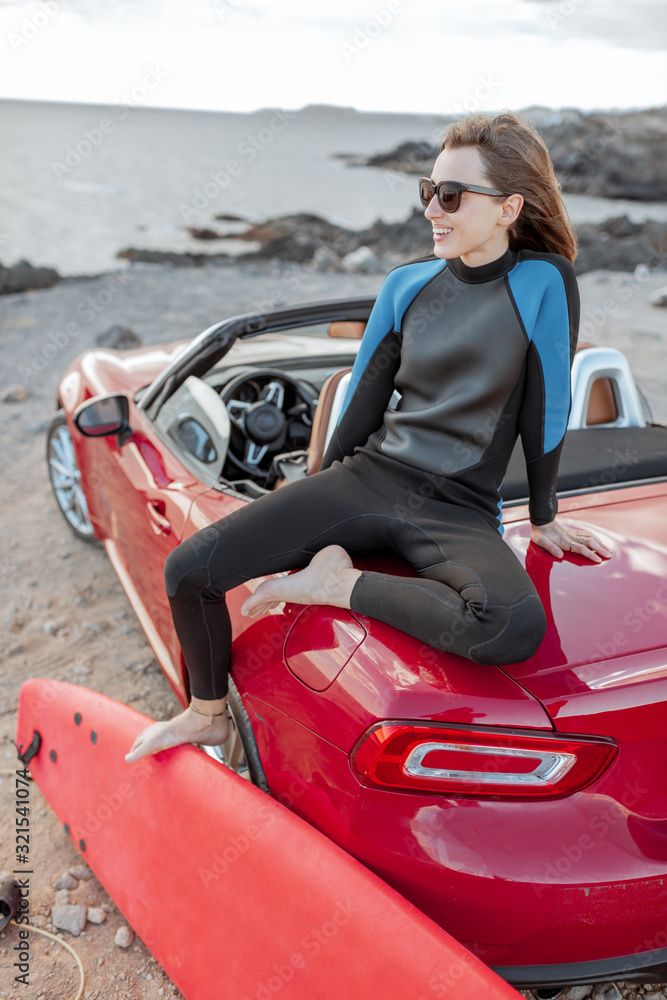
(66,481)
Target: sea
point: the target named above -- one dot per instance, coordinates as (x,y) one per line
(81,182)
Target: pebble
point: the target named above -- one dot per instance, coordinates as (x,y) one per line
(362,259)
(119,337)
(15,394)
(62,897)
(65,882)
(70,917)
(55,626)
(576,993)
(96,915)
(81,872)
(659,298)
(606,991)
(124,936)
(654,995)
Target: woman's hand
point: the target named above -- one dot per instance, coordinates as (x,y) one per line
(558,538)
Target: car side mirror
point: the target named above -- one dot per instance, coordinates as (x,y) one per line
(103,416)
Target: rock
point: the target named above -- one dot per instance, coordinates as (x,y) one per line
(654,995)
(576,993)
(119,338)
(124,936)
(23,276)
(362,259)
(96,915)
(410,157)
(606,991)
(641,252)
(70,917)
(15,394)
(205,234)
(609,154)
(65,882)
(62,897)
(81,872)
(55,627)
(659,298)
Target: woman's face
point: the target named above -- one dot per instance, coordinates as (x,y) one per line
(478,231)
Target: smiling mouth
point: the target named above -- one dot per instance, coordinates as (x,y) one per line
(441,232)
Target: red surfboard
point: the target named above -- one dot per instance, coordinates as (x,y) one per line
(233,894)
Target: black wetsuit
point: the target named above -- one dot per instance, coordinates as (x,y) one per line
(479,355)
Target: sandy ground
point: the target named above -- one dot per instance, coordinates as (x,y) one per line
(64,614)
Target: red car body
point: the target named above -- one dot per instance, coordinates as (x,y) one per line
(565,886)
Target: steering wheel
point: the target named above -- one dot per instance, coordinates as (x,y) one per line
(266,408)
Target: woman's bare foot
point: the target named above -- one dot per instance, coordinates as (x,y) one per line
(188,727)
(327,579)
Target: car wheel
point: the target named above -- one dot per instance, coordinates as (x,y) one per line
(65,478)
(240,752)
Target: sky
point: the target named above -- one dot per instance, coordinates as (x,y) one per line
(429,56)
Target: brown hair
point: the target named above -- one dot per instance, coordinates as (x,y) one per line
(517,161)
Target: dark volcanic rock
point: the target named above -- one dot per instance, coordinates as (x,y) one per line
(170,257)
(307,240)
(23,276)
(612,155)
(621,245)
(299,237)
(118,337)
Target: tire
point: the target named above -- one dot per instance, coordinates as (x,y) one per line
(65,478)
(240,753)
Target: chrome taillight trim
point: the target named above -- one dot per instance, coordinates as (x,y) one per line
(552,765)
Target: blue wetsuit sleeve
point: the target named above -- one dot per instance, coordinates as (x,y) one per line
(551,318)
(379,358)
(372,380)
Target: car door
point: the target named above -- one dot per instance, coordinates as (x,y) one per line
(148,494)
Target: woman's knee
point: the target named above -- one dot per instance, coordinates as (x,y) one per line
(511,634)
(190,559)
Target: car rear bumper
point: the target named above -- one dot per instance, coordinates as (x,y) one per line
(644,967)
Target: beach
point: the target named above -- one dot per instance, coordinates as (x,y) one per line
(145,183)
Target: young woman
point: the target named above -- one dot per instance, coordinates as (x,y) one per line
(478,339)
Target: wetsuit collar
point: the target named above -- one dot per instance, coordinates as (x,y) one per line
(485,272)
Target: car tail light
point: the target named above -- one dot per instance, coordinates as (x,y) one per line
(480,761)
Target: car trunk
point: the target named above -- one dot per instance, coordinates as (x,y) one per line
(602,667)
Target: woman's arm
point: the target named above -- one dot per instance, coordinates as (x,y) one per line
(545,412)
(551,315)
(372,380)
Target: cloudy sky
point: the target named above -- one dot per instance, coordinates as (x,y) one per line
(435,56)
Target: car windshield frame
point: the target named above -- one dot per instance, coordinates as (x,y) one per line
(212,344)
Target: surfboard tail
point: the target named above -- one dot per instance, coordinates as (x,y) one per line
(232,893)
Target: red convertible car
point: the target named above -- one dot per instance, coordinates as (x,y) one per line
(523,808)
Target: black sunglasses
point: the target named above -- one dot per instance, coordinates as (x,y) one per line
(449,193)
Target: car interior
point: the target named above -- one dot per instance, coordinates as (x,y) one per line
(252,427)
